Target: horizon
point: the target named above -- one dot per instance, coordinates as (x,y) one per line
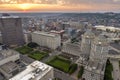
(57,12)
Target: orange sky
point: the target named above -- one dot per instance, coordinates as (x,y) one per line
(68,6)
(40,7)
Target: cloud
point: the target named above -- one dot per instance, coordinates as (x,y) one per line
(116,0)
(66,5)
(28,1)
(62,2)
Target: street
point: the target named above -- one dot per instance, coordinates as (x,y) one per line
(116,69)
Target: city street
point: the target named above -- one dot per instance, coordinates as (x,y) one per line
(116,69)
(51,55)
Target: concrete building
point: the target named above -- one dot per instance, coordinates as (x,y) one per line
(71,48)
(94,70)
(27,36)
(8,65)
(46,39)
(1,38)
(9,69)
(104,28)
(99,49)
(11,29)
(35,71)
(8,55)
(114,54)
(87,39)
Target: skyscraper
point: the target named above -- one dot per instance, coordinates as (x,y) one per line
(87,39)
(99,49)
(11,29)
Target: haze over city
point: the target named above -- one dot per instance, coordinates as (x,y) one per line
(59,39)
(60,5)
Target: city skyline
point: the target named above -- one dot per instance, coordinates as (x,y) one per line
(60,5)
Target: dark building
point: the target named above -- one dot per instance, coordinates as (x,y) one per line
(11,29)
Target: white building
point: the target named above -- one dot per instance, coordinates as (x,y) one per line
(8,55)
(104,28)
(46,39)
(35,71)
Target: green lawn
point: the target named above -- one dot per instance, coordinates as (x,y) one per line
(60,63)
(24,50)
(37,55)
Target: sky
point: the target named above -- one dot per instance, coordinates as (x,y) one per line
(59,5)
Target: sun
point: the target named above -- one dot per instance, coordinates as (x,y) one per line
(24,6)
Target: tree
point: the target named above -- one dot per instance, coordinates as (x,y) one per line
(32,45)
(72,68)
(80,73)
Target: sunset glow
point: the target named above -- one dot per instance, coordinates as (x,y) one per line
(60,5)
(24,6)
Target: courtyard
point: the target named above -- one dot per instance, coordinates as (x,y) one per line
(37,55)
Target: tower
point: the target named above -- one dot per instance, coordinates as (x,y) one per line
(87,39)
(11,29)
(99,49)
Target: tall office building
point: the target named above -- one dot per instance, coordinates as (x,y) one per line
(99,49)
(87,39)
(11,29)
(95,68)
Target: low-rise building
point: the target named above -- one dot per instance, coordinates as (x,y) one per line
(8,55)
(35,71)
(8,62)
(9,69)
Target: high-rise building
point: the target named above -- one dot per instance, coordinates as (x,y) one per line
(11,30)
(87,39)
(98,56)
(99,49)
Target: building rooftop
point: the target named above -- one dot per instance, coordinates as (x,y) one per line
(96,67)
(115,45)
(7,53)
(101,40)
(89,34)
(9,67)
(35,70)
(113,52)
(46,33)
(5,17)
(107,27)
